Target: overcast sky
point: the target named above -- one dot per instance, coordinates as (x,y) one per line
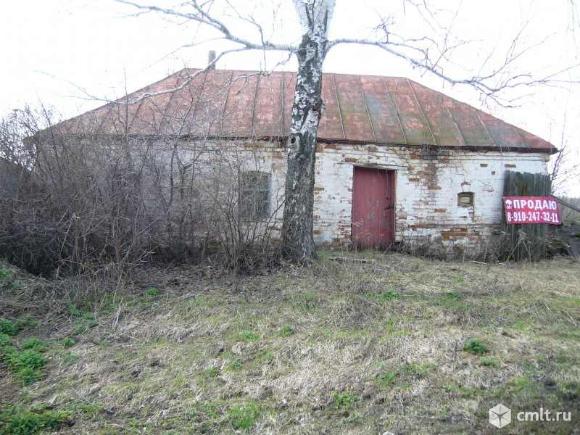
(64,52)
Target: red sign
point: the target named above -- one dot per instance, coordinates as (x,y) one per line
(531,210)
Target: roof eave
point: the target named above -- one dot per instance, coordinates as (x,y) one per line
(282,138)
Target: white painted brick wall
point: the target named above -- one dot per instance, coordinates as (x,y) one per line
(426,190)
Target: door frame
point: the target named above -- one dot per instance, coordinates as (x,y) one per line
(392,173)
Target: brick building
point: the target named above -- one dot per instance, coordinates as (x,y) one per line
(396,161)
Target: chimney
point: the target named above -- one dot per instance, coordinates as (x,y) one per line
(210,59)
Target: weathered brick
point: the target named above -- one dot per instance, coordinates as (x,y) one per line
(426,190)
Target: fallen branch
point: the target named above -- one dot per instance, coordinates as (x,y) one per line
(351,260)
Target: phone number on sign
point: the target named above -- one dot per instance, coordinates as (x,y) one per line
(532,216)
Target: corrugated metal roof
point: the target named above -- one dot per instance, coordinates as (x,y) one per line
(358,109)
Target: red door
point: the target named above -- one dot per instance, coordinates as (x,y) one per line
(373,208)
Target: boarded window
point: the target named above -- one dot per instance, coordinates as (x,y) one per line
(254,195)
(465,199)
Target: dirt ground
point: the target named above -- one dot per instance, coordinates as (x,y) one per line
(356,343)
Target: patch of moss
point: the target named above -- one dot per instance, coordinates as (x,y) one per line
(307,301)
(386,379)
(26,365)
(14,327)
(417,370)
(5,341)
(34,343)
(344,400)
(248,336)
(286,331)
(452,300)
(244,416)
(392,330)
(68,342)
(461,390)
(69,358)
(520,384)
(19,421)
(87,409)
(234,365)
(489,361)
(522,325)
(475,346)
(207,415)
(152,292)
(387,296)
(5,273)
(85,319)
(8,327)
(210,373)
(27,362)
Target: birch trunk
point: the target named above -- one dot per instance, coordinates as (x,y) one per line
(297,236)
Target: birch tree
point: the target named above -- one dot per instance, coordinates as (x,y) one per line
(424,53)
(297,239)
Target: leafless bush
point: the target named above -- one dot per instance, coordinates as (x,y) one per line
(432,246)
(569,215)
(95,200)
(499,246)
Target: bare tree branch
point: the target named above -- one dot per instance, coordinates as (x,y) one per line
(423,53)
(482,83)
(201,16)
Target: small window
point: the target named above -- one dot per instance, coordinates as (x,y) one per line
(465,199)
(254,195)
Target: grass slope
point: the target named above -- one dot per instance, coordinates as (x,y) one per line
(395,344)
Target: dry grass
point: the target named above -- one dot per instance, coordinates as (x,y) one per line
(345,347)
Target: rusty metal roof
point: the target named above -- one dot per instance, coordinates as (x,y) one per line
(358,110)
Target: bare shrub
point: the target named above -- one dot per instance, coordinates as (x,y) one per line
(570,215)
(93,200)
